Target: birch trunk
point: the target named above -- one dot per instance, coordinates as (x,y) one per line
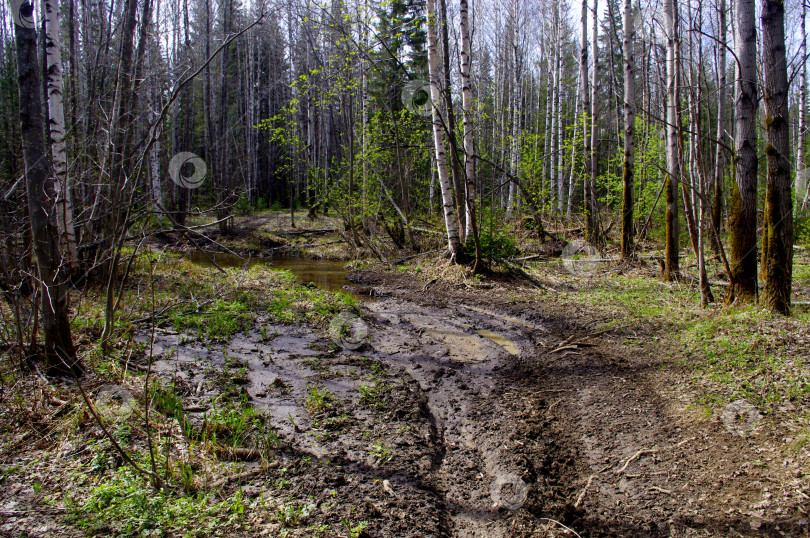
(450,220)
(629,132)
(455,168)
(467,106)
(56,114)
(59,350)
(673,154)
(572,174)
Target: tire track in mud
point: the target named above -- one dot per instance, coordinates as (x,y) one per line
(463,360)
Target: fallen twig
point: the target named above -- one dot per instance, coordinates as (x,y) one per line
(636,456)
(12,513)
(569,529)
(237,454)
(581,496)
(563,348)
(239,476)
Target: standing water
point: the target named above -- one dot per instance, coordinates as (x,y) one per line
(326,274)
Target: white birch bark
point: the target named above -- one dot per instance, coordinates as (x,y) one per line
(56,113)
(450,220)
(467,104)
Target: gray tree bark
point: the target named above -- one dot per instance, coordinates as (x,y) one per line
(743,211)
(777,256)
(41,187)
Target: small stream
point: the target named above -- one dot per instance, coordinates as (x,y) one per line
(325,274)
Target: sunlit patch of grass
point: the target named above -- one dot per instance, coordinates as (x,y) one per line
(319,399)
(295,302)
(126,505)
(219,320)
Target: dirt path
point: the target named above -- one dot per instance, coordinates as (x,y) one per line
(471,413)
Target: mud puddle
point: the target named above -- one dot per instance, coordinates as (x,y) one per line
(325,274)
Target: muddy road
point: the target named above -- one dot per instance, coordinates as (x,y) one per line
(469,412)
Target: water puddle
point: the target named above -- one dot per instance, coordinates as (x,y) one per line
(326,274)
(502,341)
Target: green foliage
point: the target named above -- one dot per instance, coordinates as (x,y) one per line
(239,424)
(381,453)
(497,241)
(291,515)
(220,320)
(295,302)
(319,399)
(125,505)
(354,530)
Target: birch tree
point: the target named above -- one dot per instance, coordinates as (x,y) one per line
(801,165)
(629,131)
(56,114)
(469,127)
(450,220)
(41,187)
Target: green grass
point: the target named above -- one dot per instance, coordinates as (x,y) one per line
(296,303)
(729,352)
(239,424)
(125,505)
(381,453)
(372,395)
(319,399)
(218,321)
(742,354)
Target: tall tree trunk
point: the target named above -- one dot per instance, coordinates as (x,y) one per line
(720,153)
(56,114)
(592,222)
(629,132)
(450,220)
(743,212)
(469,146)
(801,166)
(586,120)
(514,160)
(469,126)
(777,257)
(42,195)
(673,134)
(572,175)
(455,164)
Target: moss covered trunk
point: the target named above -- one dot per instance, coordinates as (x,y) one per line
(777,256)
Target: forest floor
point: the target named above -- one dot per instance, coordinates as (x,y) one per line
(575,400)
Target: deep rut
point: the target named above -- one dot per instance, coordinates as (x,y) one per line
(463,360)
